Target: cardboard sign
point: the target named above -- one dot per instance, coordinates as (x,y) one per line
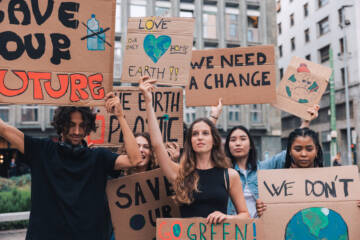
(245,75)
(136,201)
(313,203)
(197,228)
(56,52)
(168,107)
(160,48)
(302,86)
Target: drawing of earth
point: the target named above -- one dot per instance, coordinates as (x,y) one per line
(316,223)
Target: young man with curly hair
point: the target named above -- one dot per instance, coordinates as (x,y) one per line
(68,200)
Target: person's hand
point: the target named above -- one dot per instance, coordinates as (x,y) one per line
(173,150)
(146,87)
(216,110)
(314,113)
(216,217)
(112,104)
(260,207)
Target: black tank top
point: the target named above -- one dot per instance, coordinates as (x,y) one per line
(212,195)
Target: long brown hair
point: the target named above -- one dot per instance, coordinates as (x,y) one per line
(187,180)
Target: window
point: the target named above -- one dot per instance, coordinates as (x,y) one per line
(281,73)
(324,26)
(30,113)
(117,59)
(306,9)
(322,3)
(307,35)
(341,44)
(280,51)
(118,18)
(255,113)
(279,28)
(162,11)
(232,32)
(308,57)
(324,54)
(186,13)
(340,13)
(209,25)
(52,113)
(342,70)
(4,113)
(292,40)
(231,115)
(138,8)
(292,20)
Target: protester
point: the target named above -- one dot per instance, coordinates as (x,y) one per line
(200,180)
(68,178)
(303,151)
(240,148)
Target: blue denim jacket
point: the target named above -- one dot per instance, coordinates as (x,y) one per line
(277,161)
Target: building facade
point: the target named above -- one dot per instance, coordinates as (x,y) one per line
(311,29)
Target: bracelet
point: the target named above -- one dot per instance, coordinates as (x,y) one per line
(214,117)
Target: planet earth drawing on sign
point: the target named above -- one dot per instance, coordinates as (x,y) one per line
(316,223)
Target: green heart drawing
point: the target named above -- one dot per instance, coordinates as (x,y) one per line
(156,47)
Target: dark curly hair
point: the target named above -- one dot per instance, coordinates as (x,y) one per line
(303,132)
(61,121)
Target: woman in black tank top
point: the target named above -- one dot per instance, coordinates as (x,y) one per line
(203,180)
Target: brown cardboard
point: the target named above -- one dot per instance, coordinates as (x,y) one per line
(136,201)
(168,107)
(170,65)
(29,78)
(302,86)
(302,193)
(197,228)
(229,64)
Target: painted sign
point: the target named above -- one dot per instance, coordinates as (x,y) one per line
(245,75)
(56,52)
(302,86)
(313,203)
(136,201)
(168,107)
(160,48)
(197,228)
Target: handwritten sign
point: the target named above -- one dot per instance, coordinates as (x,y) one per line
(168,107)
(245,75)
(314,203)
(56,52)
(160,48)
(197,228)
(302,86)
(136,201)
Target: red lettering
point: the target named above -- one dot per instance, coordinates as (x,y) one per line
(95,82)
(64,83)
(37,76)
(166,236)
(13,92)
(102,129)
(78,84)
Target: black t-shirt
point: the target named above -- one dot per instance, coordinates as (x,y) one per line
(212,195)
(68,200)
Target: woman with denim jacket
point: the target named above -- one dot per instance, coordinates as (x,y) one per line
(240,148)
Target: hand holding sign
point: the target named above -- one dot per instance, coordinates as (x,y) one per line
(146,87)
(314,113)
(216,111)
(112,104)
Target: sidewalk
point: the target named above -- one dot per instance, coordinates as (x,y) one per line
(13,234)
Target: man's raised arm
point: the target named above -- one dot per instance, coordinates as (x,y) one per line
(13,135)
